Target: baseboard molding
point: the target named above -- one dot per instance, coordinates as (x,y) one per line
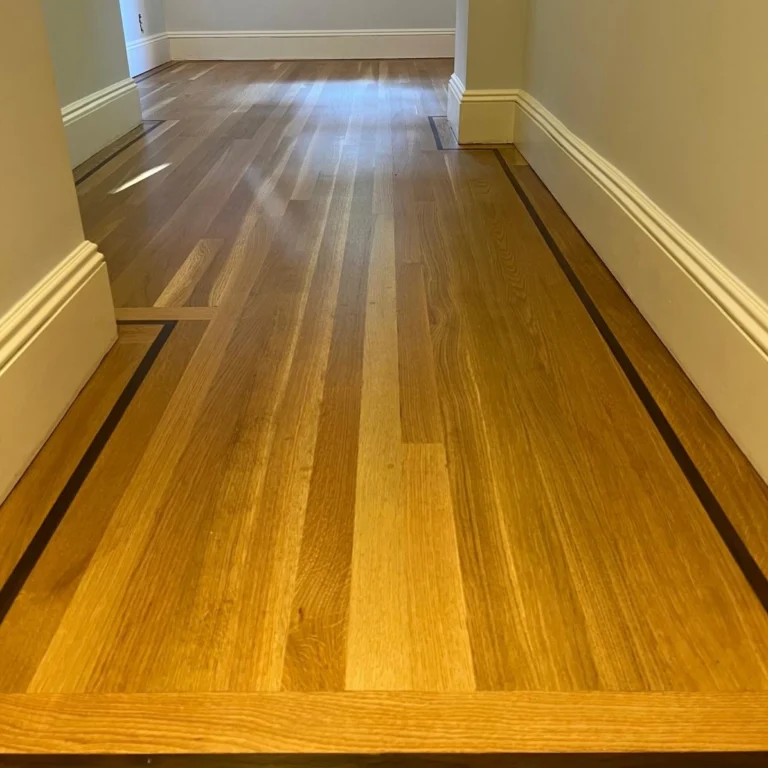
(481,116)
(50,344)
(711,322)
(97,120)
(313,44)
(148,53)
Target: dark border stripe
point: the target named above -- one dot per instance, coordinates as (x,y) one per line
(156,71)
(728,533)
(57,512)
(436,134)
(147,131)
(730,536)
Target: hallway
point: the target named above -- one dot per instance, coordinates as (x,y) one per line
(378,420)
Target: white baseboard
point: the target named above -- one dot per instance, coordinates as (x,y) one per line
(711,322)
(97,120)
(481,116)
(313,44)
(148,53)
(50,344)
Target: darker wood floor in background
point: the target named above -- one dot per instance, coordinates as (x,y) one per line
(385,451)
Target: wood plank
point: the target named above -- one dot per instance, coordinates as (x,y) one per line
(419,400)
(371,723)
(506,760)
(110,571)
(378,642)
(268,589)
(138,334)
(316,643)
(184,282)
(507,586)
(159,314)
(736,484)
(439,639)
(518,381)
(407,622)
(266,599)
(25,508)
(35,615)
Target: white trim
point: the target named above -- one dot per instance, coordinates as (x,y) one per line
(456,91)
(148,52)
(98,119)
(85,107)
(261,33)
(312,44)
(716,327)
(24,319)
(722,286)
(481,116)
(50,343)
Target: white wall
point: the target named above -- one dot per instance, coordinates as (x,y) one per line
(670,91)
(99,102)
(489,67)
(310,29)
(149,48)
(309,14)
(461,51)
(648,122)
(152,14)
(56,318)
(87,46)
(496,41)
(37,181)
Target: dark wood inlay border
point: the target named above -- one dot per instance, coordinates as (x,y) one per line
(24,567)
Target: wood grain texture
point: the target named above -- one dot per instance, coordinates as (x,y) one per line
(378,648)
(386,488)
(32,497)
(316,646)
(159,314)
(419,401)
(183,283)
(441,656)
(370,723)
(411,760)
(35,616)
(735,482)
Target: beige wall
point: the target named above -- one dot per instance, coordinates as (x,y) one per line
(39,216)
(87,46)
(496,43)
(489,57)
(99,101)
(672,92)
(56,315)
(208,15)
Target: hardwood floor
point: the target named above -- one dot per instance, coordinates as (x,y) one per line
(385,460)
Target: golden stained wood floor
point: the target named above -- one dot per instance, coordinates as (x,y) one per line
(384,460)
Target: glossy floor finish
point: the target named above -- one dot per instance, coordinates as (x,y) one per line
(383,479)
